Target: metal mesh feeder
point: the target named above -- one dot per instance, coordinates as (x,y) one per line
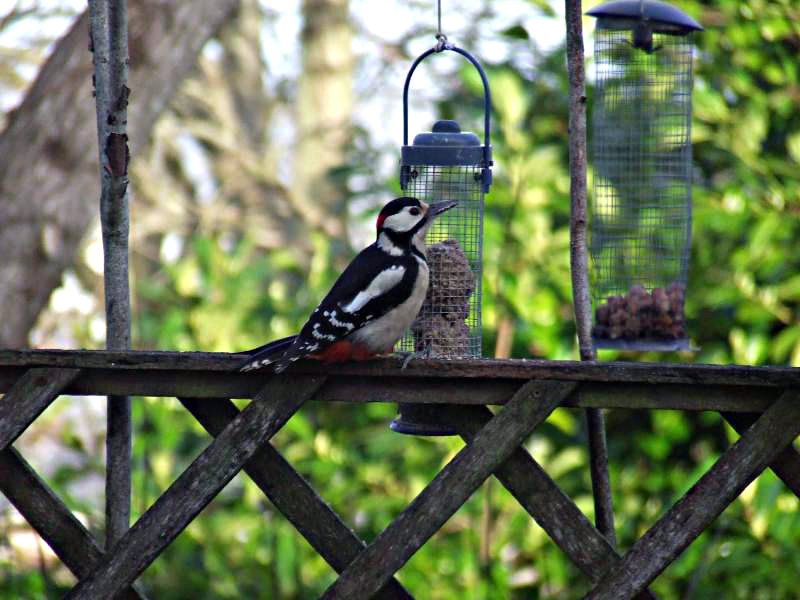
(640,229)
(447,164)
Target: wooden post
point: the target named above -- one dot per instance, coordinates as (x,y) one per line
(579,263)
(109,43)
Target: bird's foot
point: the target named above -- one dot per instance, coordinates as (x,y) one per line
(407,357)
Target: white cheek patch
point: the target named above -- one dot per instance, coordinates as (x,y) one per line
(384,282)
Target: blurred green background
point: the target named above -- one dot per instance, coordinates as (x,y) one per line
(262,179)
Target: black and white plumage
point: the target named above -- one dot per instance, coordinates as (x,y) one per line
(373,302)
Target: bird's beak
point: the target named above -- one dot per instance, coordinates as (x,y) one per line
(437,208)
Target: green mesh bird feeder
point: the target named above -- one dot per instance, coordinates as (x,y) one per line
(640,213)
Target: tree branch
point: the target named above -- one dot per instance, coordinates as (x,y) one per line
(108,41)
(579,262)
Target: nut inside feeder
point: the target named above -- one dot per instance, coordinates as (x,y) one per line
(441,327)
(447,164)
(640,217)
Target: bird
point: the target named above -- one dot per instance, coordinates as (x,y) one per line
(375,299)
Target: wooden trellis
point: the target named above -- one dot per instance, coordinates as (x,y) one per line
(762,403)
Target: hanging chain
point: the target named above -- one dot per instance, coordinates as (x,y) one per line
(441,38)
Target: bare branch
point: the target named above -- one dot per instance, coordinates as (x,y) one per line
(579,262)
(108,40)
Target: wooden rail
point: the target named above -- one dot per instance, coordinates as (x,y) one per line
(762,403)
(604,384)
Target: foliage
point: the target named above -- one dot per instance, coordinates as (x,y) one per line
(227,289)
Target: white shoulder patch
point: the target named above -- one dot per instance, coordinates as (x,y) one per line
(385,281)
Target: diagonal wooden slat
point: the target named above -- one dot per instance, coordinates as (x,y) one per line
(786,465)
(541,497)
(453,486)
(293,496)
(196,487)
(703,503)
(51,519)
(31,394)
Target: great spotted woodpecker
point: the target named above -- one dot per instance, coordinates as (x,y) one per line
(375,299)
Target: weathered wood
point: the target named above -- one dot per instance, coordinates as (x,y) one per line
(119,438)
(674,397)
(454,484)
(349,388)
(51,519)
(703,503)
(539,495)
(588,395)
(196,487)
(786,465)
(27,399)
(108,36)
(293,496)
(598,469)
(517,369)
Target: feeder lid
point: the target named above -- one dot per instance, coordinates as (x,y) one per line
(447,145)
(446,133)
(662,17)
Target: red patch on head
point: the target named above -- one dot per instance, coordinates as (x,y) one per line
(381,219)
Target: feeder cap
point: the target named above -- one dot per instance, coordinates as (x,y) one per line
(663,17)
(446,133)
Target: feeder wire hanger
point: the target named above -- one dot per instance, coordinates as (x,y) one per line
(442,44)
(441,38)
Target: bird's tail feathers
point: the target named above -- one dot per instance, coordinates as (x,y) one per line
(267,354)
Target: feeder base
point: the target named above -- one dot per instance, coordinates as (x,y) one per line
(420,419)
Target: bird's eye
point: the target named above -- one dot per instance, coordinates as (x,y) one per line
(414,211)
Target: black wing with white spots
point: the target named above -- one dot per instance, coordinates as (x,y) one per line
(267,354)
(371,285)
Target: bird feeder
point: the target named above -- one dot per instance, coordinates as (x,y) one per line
(447,164)
(640,216)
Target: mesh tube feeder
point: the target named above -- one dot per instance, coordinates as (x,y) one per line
(640,215)
(447,164)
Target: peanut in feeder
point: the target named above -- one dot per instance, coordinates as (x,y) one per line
(441,328)
(640,216)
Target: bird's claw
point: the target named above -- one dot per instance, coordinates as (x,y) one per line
(409,356)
